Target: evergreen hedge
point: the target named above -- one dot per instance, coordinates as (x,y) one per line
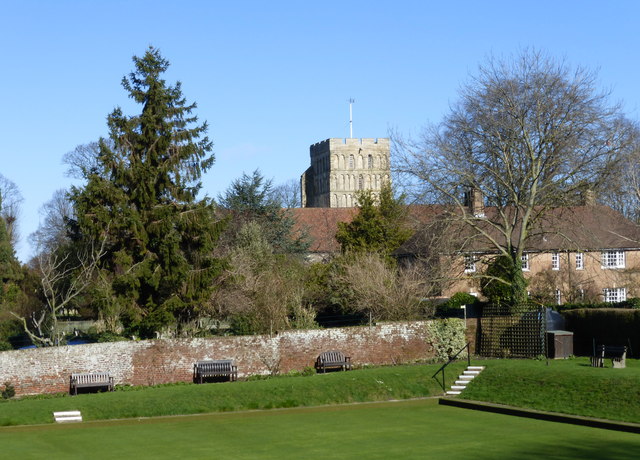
(607,326)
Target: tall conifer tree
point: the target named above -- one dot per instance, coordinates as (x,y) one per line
(142,198)
(380,225)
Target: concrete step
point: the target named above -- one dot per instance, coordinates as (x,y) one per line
(463,380)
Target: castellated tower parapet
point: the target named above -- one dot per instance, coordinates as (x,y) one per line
(342,167)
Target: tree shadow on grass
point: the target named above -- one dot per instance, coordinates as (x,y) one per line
(572,448)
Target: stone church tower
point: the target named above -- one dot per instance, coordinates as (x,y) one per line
(340,168)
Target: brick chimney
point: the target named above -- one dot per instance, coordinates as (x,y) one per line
(588,197)
(474,200)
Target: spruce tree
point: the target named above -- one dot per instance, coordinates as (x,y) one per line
(142,197)
(253,199)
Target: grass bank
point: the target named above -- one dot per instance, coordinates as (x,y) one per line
(373,384)
(569,386)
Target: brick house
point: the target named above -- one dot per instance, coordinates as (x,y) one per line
(573,254)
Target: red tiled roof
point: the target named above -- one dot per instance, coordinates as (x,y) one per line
(321,224)
(562,228)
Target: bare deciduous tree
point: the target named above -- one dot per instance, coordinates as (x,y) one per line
(528,133)
(52,231)
(83,160)
(10,202)
(386,293)
(623,191)
(63,277)
(264,289)
(288,194)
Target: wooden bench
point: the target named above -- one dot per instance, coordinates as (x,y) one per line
(617,355)
(216,368)
(94,380)
(333,360)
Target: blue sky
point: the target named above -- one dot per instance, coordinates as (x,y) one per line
(273,77)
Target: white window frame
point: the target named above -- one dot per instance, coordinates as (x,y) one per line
(555,261)
(613,295)
(558,297)
(525,262)
(470,263)
(579,261)
(613,259)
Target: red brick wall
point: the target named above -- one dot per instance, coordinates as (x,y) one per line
(149,362)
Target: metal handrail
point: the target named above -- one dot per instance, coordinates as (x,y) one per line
(442,368)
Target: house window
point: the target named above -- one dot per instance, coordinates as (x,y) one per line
(370,161)
(558,297)
(525,262)
(579,261)
(612,259)
(360,182)
(614,294)
(555,261)
(351,162)
(469,264)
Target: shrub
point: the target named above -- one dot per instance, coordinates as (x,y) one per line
(446,336)
(452,306)
(9,391)
(631,303)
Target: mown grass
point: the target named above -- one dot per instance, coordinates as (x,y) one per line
(569,386)
(416,429)
(373,384)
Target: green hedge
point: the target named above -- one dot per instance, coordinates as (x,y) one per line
(608,326)
(633,302)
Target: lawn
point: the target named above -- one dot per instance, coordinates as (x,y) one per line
(569,386)
(392,430)
(373,384)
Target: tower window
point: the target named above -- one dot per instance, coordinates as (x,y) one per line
(351,162)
